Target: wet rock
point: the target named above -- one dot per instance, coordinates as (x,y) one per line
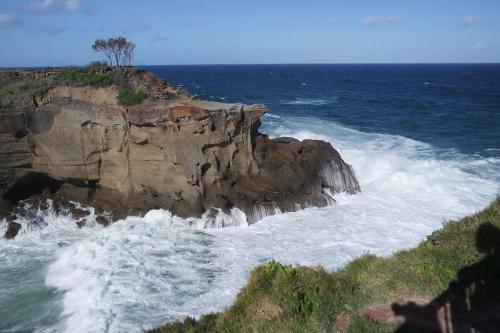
(102,220)
(4,214)
(44,205)
(12,230)
(80,224)
(78,213)
(135,212)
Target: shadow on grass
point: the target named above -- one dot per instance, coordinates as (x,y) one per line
(472,301)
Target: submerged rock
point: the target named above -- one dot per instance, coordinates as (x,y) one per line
(75,143)
(78,213)
(12,230)
(101,220)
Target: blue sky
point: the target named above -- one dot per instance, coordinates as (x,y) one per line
(60,32)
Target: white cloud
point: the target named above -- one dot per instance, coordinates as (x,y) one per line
(72,5)
(377,19)
(53,6)
(7,21)
(472,19)
(335,19)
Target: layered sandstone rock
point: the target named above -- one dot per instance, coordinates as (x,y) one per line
(77,144)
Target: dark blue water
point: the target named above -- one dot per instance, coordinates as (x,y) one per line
(448,106)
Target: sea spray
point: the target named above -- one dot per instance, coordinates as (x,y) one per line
(260,211)
(339,177)
(218,218)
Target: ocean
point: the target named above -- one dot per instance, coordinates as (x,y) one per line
(424,141)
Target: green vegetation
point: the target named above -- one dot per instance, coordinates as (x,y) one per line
(98,74)
(19,89)
(93,75)
(281,298)
(129,97)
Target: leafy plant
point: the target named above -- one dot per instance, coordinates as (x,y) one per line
(274,267)
(129,97)
(94,75)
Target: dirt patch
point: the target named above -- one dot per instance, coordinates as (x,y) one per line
(268,310)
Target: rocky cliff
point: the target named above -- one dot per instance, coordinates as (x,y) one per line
(74,142)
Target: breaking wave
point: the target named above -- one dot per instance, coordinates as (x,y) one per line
(145,271)
(310,101)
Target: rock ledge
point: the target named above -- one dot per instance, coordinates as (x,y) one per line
(75,143)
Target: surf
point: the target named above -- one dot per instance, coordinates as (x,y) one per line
(144,271)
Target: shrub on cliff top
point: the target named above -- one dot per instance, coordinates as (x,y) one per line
(129,97)
(94,75)
(274,267)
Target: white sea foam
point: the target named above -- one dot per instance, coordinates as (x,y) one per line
(272,116)
(310,101)
(217,218)
(145,271)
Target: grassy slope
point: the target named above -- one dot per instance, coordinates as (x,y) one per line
(282,298)
(17,91)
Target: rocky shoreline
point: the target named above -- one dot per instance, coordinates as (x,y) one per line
(76,143)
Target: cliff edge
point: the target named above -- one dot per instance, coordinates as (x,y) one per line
(73,136)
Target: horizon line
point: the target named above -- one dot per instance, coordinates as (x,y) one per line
(332,63)
(277,64)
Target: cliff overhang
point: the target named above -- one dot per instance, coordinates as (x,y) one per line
(75,143)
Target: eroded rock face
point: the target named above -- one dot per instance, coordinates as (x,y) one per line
(169,152)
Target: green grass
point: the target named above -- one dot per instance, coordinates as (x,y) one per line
(128,97)
(282,298)
(101,76)
(17,91)
(93,75)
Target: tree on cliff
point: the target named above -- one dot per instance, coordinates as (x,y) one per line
(119,50)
